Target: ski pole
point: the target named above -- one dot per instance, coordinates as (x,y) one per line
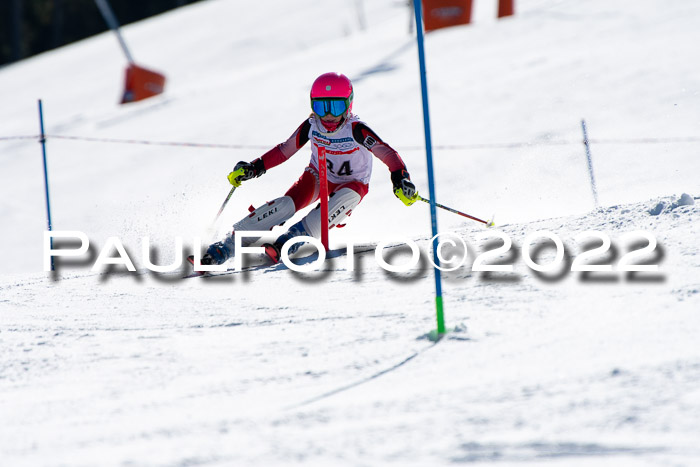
(233,178)
(488,223)
(233,188)
(211,230)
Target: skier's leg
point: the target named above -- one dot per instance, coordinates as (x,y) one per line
(305,190)
(267,216)
(340,205)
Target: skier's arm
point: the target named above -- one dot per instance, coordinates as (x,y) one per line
(385,153)
(271,158)
(284,151)
(404,189)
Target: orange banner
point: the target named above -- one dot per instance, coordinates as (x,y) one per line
(443,13)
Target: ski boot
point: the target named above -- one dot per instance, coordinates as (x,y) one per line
(274,250)
(217,253)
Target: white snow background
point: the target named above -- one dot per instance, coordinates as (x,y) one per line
(272,367)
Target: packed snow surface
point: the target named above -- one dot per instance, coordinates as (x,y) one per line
(336,366)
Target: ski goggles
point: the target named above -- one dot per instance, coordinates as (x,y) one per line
(335,107)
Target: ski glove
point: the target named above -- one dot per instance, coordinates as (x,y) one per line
(404,189)
(245,171)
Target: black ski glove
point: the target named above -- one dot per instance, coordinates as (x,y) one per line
(404,189)
(245,171)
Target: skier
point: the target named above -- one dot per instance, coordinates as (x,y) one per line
(349,144)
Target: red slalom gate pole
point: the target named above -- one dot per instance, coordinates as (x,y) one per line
(323,181)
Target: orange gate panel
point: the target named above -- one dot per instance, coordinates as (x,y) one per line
(141,84)
(443,13)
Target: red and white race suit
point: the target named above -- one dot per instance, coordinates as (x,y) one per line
(349,154)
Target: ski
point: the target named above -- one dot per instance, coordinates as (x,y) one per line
(264,262)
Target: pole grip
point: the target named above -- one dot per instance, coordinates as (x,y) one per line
(323,194)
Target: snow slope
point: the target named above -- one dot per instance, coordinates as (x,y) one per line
(334,368)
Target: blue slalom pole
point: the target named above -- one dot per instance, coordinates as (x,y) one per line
(429,155)
(42,140)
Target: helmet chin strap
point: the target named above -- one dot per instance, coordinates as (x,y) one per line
(337,127)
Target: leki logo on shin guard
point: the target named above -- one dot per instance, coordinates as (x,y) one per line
(267,214)
(336,213)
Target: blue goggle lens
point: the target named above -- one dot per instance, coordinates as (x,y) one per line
(335,107)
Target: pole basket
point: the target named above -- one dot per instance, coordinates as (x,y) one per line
(141,84)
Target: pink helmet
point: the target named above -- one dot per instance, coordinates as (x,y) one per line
(333,86)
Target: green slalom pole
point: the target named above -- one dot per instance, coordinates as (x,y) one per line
(431,179)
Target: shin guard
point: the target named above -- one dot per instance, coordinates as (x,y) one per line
(268,215)
(340,204)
